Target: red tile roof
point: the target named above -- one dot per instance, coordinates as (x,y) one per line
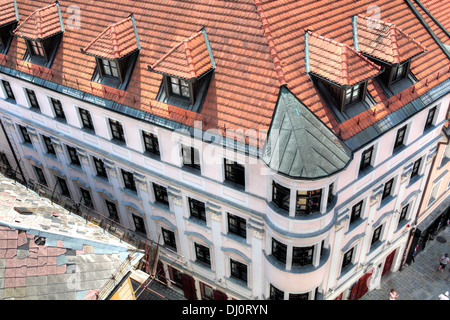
(188,59)
(8,12)
(338,62)
(440,9)
(255,45)
(385,41)
(41,24)
(115,42)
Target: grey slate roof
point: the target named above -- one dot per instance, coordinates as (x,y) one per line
(299,145)
(51,253)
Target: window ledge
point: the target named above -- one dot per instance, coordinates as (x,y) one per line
(402,224)
(120,143)
(241,283)
(75,167)
(201,264)
(28,145)
(236,238)
(88,130)
(234,185)
(131,193)
(161,205)
(51,156)
(198,222)
(355,224)
(366,171)
(191,170)
(399,149)
(414,180)
(102,179)
(151,155)
(386,201)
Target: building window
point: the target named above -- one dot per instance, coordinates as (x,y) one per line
(73,156)
(86,198)
(234,172)
(109,68)
(116,130)
(8,91)
(150,142)
(32,99)
(36,48)
(40,176)
(348,256)
(160,194)
(238,270)
(169,238)
(416,167)
(353,94)
(191,157)
(237,225)
(366,159)
(403,213)
(139,224)
(400,72)
(387,189)
(275,293)
(25,136)
(376,235)
(112,210)
(434,192)
(356,211)
(281,196)
(86,119)
(202,254)
(400,137)
(128,180)
(176,277)
(197,209)
(100,168)
(302,256)
(63,187)
(49,145)
(179,88)
(279,250)
(299,296)
(57,107)
(206,291)
(308,202)
(430,118)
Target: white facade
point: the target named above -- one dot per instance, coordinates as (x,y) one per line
(328,231)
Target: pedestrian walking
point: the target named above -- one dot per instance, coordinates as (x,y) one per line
(443,261)
(393,295)
(443,296)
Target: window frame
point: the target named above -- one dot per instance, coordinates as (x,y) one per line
(151,143)
(8,90)
(202,254)
(238,270)
(50,149)
(139,224)
(169,238)
(111,205)
(188,156)
(366,162)
(86,119)
(87,198)
(376,235)
(32,99)
(116,129)
(194,205)
(353,97)
(403,213)
(108,67)
(356,211)
(128,180)
(161,195)
(176,82)
(304,256)
(63,187)
(40,176)
(387,189)
(275,293)
(37,49)
(416,168)
(73,156)
(234,172)
(281,196)
(102,172)
(25,135)
(347,258)
(430,118)
(279,250)
(237,225)
(400,137)
(396,75)
(312,201)
(58,108)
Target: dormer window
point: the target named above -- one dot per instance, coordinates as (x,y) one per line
(186,71)
(42,39)
(340,72)
(8,23)
(116,50)
(386,45)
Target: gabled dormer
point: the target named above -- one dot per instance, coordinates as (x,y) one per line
(337,68)
(186,68)
(115,50)
(9,17)
(386,45)
(42,31)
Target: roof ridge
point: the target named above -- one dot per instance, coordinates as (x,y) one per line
(33,13)
(268,35)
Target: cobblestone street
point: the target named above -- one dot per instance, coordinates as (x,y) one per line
(421,280)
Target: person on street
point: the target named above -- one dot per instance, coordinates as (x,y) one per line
(443,296)
(393,295)
(443,261)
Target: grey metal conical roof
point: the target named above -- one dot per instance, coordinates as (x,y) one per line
(301,146)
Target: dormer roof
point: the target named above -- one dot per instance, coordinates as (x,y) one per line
(190,58)
(8,8)
(337,62)
(42,23)
(116,41)
(384,40)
